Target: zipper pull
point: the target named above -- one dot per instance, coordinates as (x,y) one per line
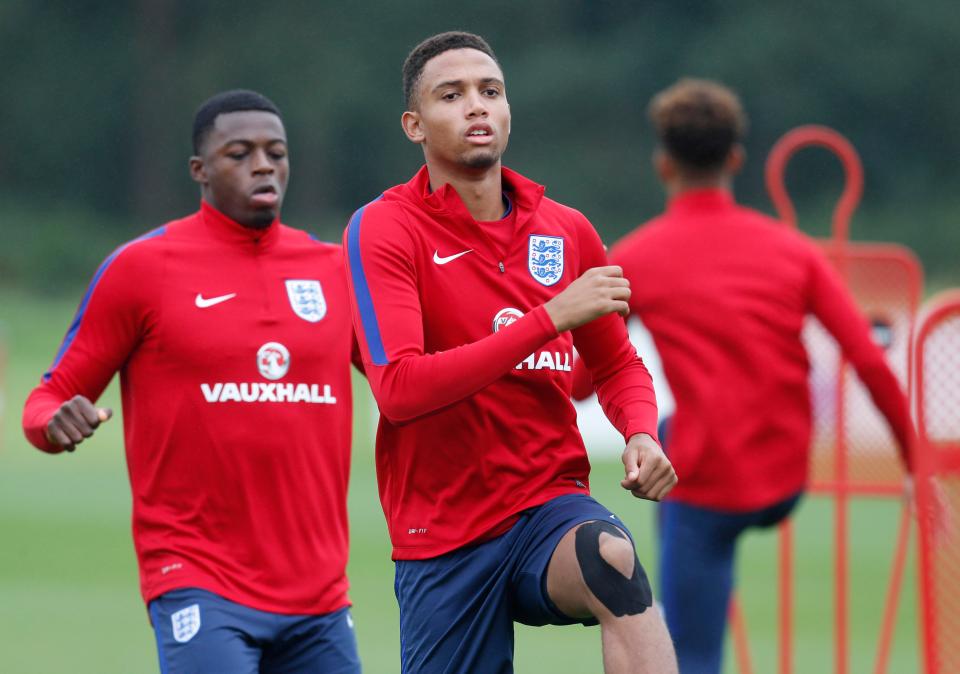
(503,269)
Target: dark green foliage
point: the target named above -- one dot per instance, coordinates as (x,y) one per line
(100,97)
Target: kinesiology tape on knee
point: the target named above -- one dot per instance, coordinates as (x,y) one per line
(621,595)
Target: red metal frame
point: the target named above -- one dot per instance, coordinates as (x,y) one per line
(840,487)
(783,150)
(815,136)
(931,461)
(3,383)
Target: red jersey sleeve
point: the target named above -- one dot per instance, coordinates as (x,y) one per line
(103,333)
(406,382)
(582,383)
(835,308)
(623,384)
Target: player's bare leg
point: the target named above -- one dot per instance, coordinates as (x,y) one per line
(594,572)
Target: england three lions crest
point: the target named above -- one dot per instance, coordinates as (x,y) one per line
(546,258)
(186,623)
(306,298)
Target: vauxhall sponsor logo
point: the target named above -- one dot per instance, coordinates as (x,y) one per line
(546,360)
(542,360)
(273,362)
(261,392)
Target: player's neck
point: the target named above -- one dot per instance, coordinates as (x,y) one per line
(681,184)
(480,190)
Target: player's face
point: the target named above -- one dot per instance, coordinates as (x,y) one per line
(243,166)
(462,117)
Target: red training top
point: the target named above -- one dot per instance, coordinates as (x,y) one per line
(472,379)
(724,291)
(233,346)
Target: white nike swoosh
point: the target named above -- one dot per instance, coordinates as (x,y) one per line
(204,303)
(449,258)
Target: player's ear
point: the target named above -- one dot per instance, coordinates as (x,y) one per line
(664,165)
(198,171)
(412,126)
(736,159)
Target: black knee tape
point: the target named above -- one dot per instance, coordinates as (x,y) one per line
(622,596)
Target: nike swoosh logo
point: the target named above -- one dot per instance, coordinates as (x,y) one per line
(203,303)
(449,258)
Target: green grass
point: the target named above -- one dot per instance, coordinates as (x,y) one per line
(69,598)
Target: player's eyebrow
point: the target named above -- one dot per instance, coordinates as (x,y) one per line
(459,83)
(448,83)
(251,143)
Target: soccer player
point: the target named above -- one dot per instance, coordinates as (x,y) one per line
(724,291)
(231,333)
(470,289)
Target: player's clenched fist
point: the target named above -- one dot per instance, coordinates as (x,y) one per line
(600,291)
(75,420)
(649,473)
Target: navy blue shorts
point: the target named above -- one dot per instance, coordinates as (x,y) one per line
(199,632)
(457,610)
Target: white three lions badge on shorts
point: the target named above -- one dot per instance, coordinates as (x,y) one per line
(306,298)
(186,623)
(546,258)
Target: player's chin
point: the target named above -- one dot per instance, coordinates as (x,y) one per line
(262,217)
(482,159)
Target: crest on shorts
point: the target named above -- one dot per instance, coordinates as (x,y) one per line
(306,298)
(186,623)
(546,258)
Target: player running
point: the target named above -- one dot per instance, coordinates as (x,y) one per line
(470,289)
(724,291)
(231,333)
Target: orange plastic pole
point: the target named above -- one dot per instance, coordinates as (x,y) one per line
(840,530)
(893,594)
(786,597)
(741,647)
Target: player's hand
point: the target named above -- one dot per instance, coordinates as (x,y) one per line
(75,421)
(649,473)
(600,291)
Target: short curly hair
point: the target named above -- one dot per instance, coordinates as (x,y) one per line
(235,100)
(434,46)
(698,122)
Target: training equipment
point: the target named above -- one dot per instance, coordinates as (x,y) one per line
(938,480)
(853,453)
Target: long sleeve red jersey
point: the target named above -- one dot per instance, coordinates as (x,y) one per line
(724,291)
(233,347)
(472,379)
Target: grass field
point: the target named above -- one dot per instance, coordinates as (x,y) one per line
(68,584)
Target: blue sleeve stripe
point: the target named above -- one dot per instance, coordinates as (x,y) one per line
(81,310)
(361,290)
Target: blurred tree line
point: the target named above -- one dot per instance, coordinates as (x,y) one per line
(100,96)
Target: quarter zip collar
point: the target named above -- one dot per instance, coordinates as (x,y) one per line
(229,230)
(447,208)
(444,201)
(701,199)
